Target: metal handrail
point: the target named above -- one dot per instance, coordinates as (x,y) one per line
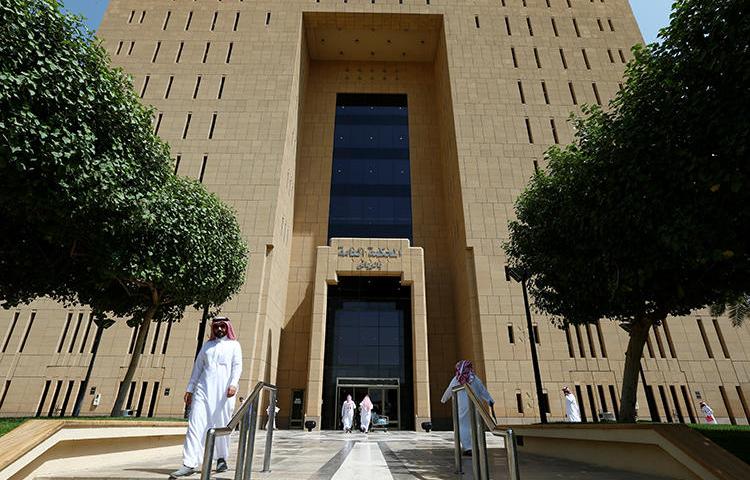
(247,418)
(479,418)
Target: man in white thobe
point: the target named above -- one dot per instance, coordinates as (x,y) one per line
(347,413)
(465,375)
(709,413)
(572,411)
(211,396)
(365,414)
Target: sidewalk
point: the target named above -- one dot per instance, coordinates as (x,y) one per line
(301,455)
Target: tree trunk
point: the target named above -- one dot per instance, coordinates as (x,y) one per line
(638,334)
(122,393)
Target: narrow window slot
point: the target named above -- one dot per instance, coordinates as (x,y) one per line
(740,394)
(599,23)
(602,398)
(86,333)
(169,86)
(581,404)
(221,88)
(130,49)
(143,16)
(119,48)
(727,405)
(579,337)
(659,343)
(520,92)
(476,21)
(203,168)
(513,55)
(705,338)
(60,344)
(43,399)
(187,125)
(66,398)
(575,26)
(535,332)
(670,343)
(688,403)
(511,337)
(615,406)
(531,28)
(611,25)
(590,338)
(649,346)
(519,402)
(28,330)
(229,52)
(507,26)
(545,92)
(677,406)
(554,131)
(133,334)
(611,57)
(596,93)
(563,59)
(572,93)
(536,57)
(600,334)
(166,338)
(75,333)
(154,397)
(213,21)
(554,28)
(236,21)
(719,334)
(187,22)
(166,20)
(179,52)
(586,59)
(156,52)
(55,396)
(197,87)
(665,403)
(205,52)
(145,85)
(5,394)
(528,131)
(268,18)
(571,352)
(159,118)
(592,404)
(622,55)
(212,127)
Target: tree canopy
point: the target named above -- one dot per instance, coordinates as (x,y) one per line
(91,210)
(645,215)
(78,157)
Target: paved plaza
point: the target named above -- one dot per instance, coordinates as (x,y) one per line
(333,455)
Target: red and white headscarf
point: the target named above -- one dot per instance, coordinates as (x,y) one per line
(465,372)
(230,331)
(366,404)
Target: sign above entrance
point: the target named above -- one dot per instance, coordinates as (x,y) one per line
(369,253)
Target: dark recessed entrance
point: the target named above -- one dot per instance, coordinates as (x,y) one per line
(368,349)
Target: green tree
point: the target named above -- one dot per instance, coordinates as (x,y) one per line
(643,216)
(190,252)
(736,308)
(78,157)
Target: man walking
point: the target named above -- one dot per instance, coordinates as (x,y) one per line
(572,412)
(211,395)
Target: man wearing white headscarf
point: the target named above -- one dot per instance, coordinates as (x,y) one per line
(211,394)
(465,375)
(365,414)
(708,412)
(347,414)
(572,411)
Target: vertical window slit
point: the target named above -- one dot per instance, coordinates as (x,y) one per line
(513,55)
(520,92)
(688,403)
(203,168)
(119,48)
(60,344)
(11,329)
(75,333)
(705,338)
(66,398)
(221,87)
(575,26)
(156,52)
(197,87)
(166,338)
(189,19)
(545,92)
(154,397)
(528,131)
(571,352)
(229,52)
(43,399)
(668,334)
(476,21)
(536,57)
(615,406)
(650,346)
(602,398)
(213,21)
(28,330)
(676,402)
(622,55)
(511,337)
(5,394)
(212,127)
(590,338)
(158,123)
(531,28)
(563,59)
(268,18)
(169,86)
(596,93)
(166,20)
(177,163)
(592,404)
(130,49)
(187,125)
(740,394)
(579,337)
(554,130)
(205,52)
(611,57)
(554,28)
(572,93)
(519,402)
(507,26)
(659,343)
(586,59)
(665,402)
(86,333)
(145,85)
(581,403)
(55,396)
(727,405)
(600,334)
(719,334)
(179,52)
(236,21)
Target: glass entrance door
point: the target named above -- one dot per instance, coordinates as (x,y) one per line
(384,395)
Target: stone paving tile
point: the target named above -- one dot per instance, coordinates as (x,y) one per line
(320,455)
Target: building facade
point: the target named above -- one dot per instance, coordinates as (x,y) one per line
(372,150)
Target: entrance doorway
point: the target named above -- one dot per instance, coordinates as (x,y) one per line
(385,395)
(368,349)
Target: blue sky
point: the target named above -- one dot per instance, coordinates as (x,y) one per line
(651,14)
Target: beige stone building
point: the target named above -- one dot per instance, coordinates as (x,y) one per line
(372,150)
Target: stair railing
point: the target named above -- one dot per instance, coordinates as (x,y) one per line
(247,418)
(479,419)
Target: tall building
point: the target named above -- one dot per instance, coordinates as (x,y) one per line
(373,150)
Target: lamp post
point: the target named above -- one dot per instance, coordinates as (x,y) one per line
(521,277)
(101,325)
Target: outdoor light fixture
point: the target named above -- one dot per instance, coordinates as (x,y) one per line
(521,277)
(309,425)
(427,426)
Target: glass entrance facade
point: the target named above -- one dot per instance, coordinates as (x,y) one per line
(370,181)
(368,338)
